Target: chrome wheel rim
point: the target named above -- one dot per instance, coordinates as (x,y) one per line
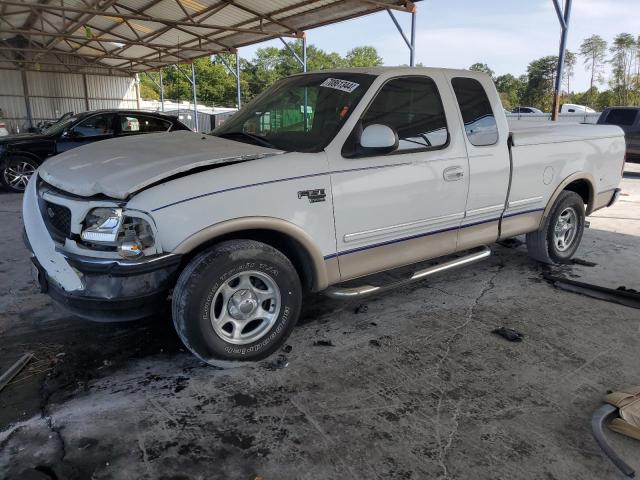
(566,229)
(245,307)
(17,175)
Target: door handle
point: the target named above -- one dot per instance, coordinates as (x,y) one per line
(453,174)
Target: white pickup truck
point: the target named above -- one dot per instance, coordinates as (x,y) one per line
(325,178)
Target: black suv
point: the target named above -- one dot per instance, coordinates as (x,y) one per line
(627,118)
(21,155)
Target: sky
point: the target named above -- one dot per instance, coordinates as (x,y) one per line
(505,34)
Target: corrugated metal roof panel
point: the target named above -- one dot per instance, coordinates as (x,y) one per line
(170,21)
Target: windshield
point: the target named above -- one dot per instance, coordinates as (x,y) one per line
(59,126)
(301,113)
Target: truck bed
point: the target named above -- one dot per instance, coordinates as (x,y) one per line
(537,133)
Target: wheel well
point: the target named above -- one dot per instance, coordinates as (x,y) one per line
(583,188)
(290,247)
(19,153)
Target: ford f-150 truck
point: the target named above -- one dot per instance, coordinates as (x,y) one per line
(325,178)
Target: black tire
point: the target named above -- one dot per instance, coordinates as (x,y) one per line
(198,291)
(542,244)
(9,176)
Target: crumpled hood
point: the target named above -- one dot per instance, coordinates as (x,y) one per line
(120,167)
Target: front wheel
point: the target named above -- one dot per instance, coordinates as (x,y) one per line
(16,173)
(238,300)
(560,235)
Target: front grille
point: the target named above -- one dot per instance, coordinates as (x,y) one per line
(58,220)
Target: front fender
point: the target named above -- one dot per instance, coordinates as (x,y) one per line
(323,276)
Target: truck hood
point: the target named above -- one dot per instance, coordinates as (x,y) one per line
(120,167)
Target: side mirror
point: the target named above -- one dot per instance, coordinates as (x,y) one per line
(377,138)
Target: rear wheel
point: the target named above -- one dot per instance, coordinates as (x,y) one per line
(238,300)
(16,173)
(561,233)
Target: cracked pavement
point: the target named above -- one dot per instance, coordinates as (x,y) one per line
(415,386)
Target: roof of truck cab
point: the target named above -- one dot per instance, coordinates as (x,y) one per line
(400,71)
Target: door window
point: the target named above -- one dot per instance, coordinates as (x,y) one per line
(131,124)
(413,108)
(479,122)
(96,126)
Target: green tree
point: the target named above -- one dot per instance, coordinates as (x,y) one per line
(593,51)
(510,89)
(568,68)
(363,57)
(482,67)
(538,91)
(623,52)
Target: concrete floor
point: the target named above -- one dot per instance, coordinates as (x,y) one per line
(416,387)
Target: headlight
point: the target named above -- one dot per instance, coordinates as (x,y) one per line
(110,228)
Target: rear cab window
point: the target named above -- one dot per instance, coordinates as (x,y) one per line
(621,116)
(479,121)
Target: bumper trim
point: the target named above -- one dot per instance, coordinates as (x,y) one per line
(614,198)
(115,266)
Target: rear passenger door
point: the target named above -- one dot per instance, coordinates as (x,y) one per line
(405,206)
(485,136)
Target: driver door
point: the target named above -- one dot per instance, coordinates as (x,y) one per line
(93,129)
(406,206)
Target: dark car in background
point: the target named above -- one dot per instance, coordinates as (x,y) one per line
(627,118)
(21,155)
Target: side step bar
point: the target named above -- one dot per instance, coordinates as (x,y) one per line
(471,256)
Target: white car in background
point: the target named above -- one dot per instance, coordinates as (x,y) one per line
(574,108)
(325,178)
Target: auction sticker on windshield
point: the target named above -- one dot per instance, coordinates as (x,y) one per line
(336,83)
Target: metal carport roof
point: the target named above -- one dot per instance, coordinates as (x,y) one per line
(130,36)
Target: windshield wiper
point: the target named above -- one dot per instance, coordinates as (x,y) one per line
(256,139)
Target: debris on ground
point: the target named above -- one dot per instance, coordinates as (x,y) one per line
(374,342)
(622,288)
(584,263)
(287,348)
(281,361)
(511,243)
(600,417)
(15,369)
(362,308)
(627,297)
(509,333)
(323,343)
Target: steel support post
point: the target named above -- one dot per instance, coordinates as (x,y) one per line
(410,43)
(195,99)
(161,92)
(412,57)
(27,100)
(563,18)
(239,101)
(304,53)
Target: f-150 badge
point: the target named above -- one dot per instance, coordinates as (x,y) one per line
(316,195)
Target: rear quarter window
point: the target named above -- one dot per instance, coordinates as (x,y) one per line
(477,115)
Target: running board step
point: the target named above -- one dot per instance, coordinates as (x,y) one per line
(469,257)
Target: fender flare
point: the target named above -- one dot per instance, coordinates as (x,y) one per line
(572,178)
(318,265)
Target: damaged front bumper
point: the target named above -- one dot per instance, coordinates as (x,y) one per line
(96,288)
